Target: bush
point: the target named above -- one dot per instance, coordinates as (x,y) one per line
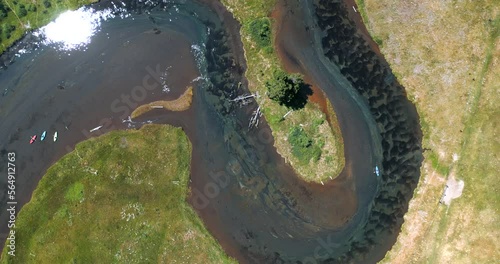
(284,88)
(268,49)
(303,146)
(7,30)
(260,31)
(3,11)
(46,3)
(21,11)
(32,8)
(299,138)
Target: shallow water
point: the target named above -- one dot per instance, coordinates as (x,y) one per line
(249,199)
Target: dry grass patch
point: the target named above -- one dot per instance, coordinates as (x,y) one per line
(437,51)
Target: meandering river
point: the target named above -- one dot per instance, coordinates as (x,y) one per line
(249,198)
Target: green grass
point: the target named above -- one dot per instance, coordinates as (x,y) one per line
(362,10)
(75,192)
(120,198)
(25,15)
(440,168)
(262,61)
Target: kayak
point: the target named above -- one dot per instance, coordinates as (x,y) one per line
(33,138)
(55,136)
(42,137)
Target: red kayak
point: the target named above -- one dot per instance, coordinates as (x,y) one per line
(33,138)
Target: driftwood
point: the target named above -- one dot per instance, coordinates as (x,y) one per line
(245,98)
(254,120)
(287,113)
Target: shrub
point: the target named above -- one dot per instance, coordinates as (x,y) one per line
(268,49)
(46,3)
(260,31)
(3,11)
(317,122)
(7,30)
(303,146)
(21,11)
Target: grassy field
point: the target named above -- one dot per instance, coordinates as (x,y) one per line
(19,16)
(447,55)
(119,198)
(310,122)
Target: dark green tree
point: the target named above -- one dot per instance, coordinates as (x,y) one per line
(284,88)
(21,10)
(3,11)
